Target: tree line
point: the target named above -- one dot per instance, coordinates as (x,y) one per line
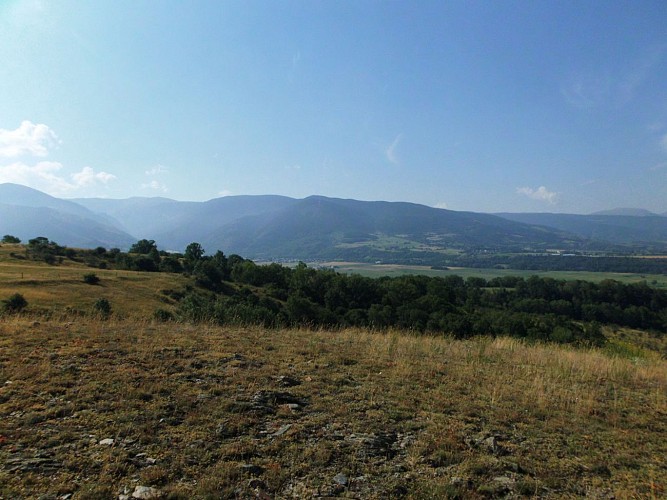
(233,290)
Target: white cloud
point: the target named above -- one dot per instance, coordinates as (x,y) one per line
(157,170)
(36,140)
(225,192)
(45,176)
(390,152)
(28,139)
(155,186)
(540,194)
(442,204)
(88,177)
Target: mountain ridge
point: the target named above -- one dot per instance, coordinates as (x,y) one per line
(274,226)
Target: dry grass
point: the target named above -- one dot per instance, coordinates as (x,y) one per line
(201,412)
(59,289)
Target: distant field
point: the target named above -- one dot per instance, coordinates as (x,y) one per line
(377,270)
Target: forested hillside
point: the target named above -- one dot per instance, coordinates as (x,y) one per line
(233,290)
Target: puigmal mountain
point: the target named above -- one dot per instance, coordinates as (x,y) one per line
(272,227)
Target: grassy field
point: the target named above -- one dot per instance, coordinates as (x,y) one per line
(57,289)
(96,409)
(376,270)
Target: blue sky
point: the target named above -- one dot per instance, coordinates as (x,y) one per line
(483,106)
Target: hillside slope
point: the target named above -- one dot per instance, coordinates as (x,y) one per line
(65,228)
(620,229)
(334,228)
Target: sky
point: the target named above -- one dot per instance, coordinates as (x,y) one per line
(489,106)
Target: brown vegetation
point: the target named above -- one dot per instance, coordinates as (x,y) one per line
(211,412)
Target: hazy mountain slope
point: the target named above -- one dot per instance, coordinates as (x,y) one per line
(174,224)
(635,212)
(329,227)
(211,216)
(15,194)
(64,228)
(143,217)
(620,229)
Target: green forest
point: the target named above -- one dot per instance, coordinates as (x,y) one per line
(233,290)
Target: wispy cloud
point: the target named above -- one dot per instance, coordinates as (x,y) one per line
(296,57)
(155,185)
(591,88)
(225,192)
(442,204)
(157,170)
(35,140)
(29,139)
(391,153)
(642,68)
(540,194)
(658,166)
(46,176)
(663,142)
(586,91)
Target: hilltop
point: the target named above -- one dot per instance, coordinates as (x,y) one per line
(101,408)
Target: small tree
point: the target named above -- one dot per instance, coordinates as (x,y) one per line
(103,308)
(8,238)
(91,279)
(194,252)
(143,247)
(14,304)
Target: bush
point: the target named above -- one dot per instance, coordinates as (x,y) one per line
(163,315)
(91,279)
(8,238)
(102,308)
(14,304)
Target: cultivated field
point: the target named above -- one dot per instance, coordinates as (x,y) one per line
(376,270)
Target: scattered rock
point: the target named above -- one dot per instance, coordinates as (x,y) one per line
(146,492)
(287,381)
(282,430)
(341,479)
(491,444)
(375,445)
(252,469)
(106,442)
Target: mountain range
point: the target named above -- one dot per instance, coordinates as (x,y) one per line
(275,227)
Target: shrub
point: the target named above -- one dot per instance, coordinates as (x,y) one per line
(14,304)
(163,315)
(102,308)
(91,279)
(8,238)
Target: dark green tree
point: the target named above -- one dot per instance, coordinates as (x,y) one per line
(8,238)
(194,252)
(143,247)
(14,304)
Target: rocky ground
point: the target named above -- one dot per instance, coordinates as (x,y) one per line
(93,409)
